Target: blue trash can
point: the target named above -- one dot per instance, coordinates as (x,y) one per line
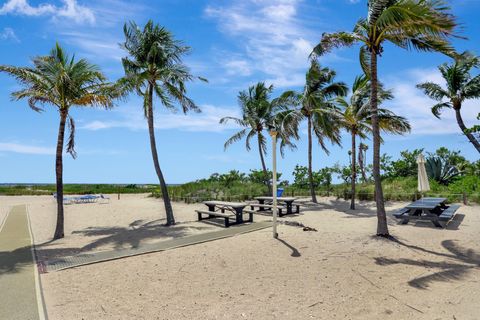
(279,192)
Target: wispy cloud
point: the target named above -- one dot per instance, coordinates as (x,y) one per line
(411,103)
(70,10)
(273,39)
(132,118)
(25,148)
(8,34)
(96,45)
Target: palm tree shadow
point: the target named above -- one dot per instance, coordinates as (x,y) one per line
(295,252)
(457,264)
(130,237)
(13,261)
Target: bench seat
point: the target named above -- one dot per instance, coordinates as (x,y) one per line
(226,216)
(401,212)
(448,213)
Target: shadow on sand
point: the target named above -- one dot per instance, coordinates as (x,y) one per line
(458,262)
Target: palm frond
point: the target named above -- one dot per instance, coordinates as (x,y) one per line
(71,138)
(236,137)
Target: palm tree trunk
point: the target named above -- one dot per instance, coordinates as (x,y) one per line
(354,170)
(361,162)
(153,146)
(59,229)
(382,227)
(264,167)
(462,126)
(310,173)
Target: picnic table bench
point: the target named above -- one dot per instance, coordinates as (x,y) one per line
(429,209)
(225,210)
(286,203)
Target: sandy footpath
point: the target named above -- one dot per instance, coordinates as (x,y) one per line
(339,272)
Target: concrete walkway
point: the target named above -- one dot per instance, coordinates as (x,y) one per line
(20,295)
(96,257)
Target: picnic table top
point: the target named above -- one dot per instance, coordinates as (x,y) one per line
(278,198)
(226,204)
(426,203)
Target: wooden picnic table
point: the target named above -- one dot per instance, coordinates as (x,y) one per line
(431,209)
(287,200)
(225,210)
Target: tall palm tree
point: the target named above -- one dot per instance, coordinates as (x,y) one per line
(258,114)
(423,25)
(460,86)
(154,68)
(355,116)
(362,155)
(315,105)
(59,80)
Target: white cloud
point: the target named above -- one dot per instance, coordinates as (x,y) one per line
(272,39)
(70,10)
(26,149)
(8,34)
(411,103)
(97,45)
(132,118)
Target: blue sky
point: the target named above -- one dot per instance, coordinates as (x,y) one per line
(234,45)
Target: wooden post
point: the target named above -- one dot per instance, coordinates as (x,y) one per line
(119,196)
(465,200)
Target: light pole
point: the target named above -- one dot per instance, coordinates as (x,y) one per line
(273,133)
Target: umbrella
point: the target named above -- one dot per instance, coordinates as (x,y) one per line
(423,184)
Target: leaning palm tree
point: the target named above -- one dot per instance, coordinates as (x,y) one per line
(460,86)
(355,116)
(154,68)
(423,25)
(258,114)
(59,80)
(315,105)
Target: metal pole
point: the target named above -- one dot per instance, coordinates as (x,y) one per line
(274,182)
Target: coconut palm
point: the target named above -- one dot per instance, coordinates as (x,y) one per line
(63,82)
(355,116)
(315,105)
(154,68)
(423,25)
(362,155)
(460,86)
(258,114)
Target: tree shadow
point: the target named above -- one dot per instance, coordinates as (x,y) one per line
(118,238)
(295,252)
(459,261)
(13,261)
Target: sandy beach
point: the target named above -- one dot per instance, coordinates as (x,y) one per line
(338,272)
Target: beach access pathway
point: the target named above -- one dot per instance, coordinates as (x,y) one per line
(20,295)
(103,256)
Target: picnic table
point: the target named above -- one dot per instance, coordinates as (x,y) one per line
(266,202)
(225,210)
(430,209)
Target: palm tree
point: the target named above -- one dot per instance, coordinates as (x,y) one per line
(259,113)
(59,80)
(355,116)
(362,155)
(315,105)
(460,86)
(154,67)
(409,24)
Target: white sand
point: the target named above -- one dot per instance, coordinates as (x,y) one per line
(339,272)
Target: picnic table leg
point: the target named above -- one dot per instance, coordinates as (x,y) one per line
(289,207)
(239,215)
(261,201)
(211,208)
